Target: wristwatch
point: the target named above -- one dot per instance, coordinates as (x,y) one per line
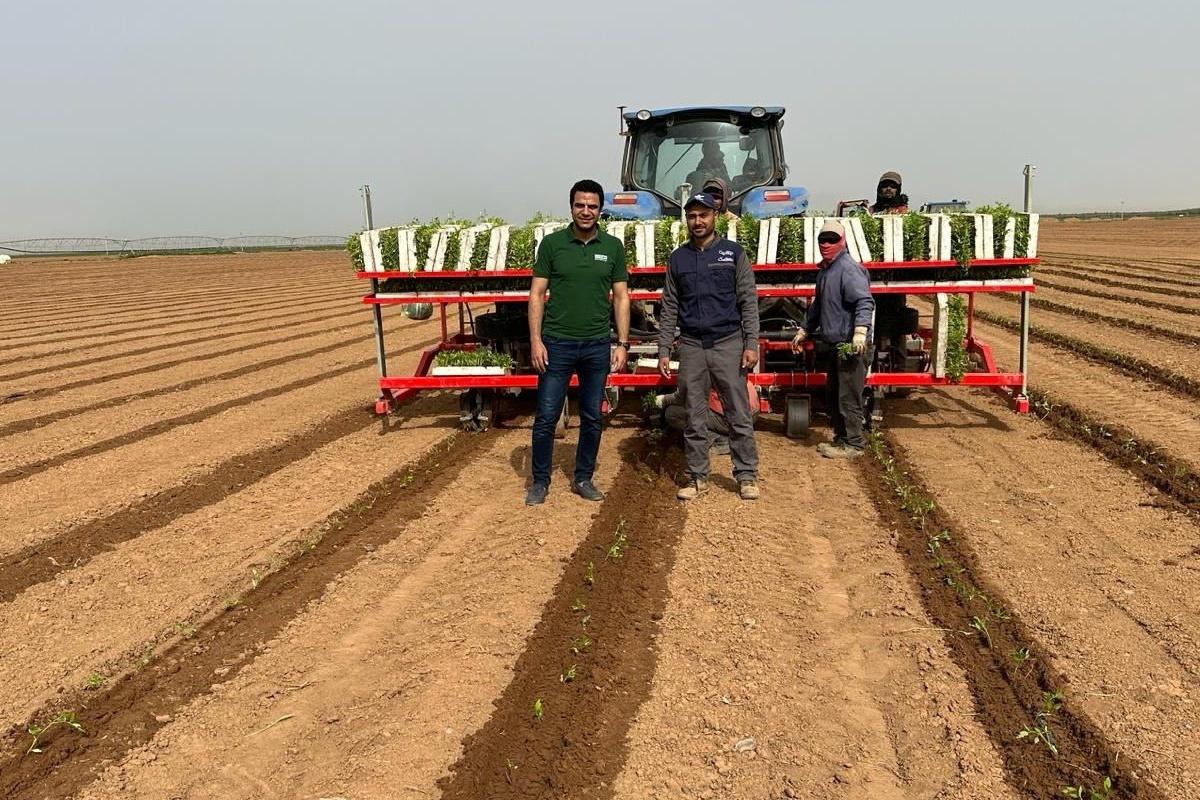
(623,344)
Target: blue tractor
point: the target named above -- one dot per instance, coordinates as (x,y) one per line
(671,152)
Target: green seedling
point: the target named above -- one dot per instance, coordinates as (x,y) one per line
(232,603)
(617,548)
(66,719)
(936,541)
(1081,793)
(578,605)
(509,769)
(185,629)
(568,674)
(94,682)
(581,643)
(589,574)
(845,350)
(1020,655)
(981,625)
(1039,733)
(1051,702)
(586,619)
(538,708)
(255,578)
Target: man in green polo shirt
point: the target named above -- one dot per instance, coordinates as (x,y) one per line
(570,334)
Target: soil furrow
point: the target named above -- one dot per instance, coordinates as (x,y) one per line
(1155,268)
(76,546)
(559,728)
(160,322)
(1170,355)
(126,303)
(128,714)
(167,331)
(1093,561)
(1149,460)
(172,306)
(1116,284)
(1121,323)
(162,426)
(158,366)
(1181,282)
(1123,362)
(1118,298)
(1060,746)
(30,423)
(216,337)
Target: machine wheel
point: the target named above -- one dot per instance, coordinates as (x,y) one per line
(795,416)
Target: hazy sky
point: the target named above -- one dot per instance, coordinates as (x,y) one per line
(136,117)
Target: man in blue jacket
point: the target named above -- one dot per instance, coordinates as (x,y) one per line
(841,314)
(709,295)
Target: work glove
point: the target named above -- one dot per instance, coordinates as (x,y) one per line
(859,342)
(798,339)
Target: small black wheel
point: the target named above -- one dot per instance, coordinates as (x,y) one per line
(795,416)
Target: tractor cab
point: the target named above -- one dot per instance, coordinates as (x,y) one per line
(670,153)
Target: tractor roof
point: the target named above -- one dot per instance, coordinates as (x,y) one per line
(773,112)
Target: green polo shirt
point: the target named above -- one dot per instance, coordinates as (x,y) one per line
(581,276)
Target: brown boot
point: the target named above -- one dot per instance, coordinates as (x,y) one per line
(748,489)
(695,488)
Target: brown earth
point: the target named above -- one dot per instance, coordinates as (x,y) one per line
(1170,239)
(272,597)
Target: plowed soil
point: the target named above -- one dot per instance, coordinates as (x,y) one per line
(244,585)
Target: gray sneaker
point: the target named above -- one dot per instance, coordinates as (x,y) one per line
(587,490)
(695,488)
(536,494)
(845,451)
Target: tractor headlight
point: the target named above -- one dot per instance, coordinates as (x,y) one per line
(644,114)
(758,112)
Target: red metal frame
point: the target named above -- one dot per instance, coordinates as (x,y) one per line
(395,390)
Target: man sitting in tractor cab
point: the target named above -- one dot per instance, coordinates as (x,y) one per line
(712,165)
(888,199)
(753,174)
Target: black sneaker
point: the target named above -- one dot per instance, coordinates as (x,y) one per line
(536,494)
(587,490)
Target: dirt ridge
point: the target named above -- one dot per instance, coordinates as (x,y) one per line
(574,744)
(1014,693)
(128,714)
(161,426)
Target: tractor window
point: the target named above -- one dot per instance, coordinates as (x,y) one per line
(695,150)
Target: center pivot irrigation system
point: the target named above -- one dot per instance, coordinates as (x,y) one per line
(944,257)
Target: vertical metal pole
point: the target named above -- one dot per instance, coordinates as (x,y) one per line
(376,309)
(1023,355)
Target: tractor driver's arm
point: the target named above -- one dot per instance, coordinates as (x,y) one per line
(537,306)
(620,300)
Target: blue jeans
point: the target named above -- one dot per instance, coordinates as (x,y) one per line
(590,360)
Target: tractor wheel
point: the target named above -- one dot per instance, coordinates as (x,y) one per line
(795,416)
